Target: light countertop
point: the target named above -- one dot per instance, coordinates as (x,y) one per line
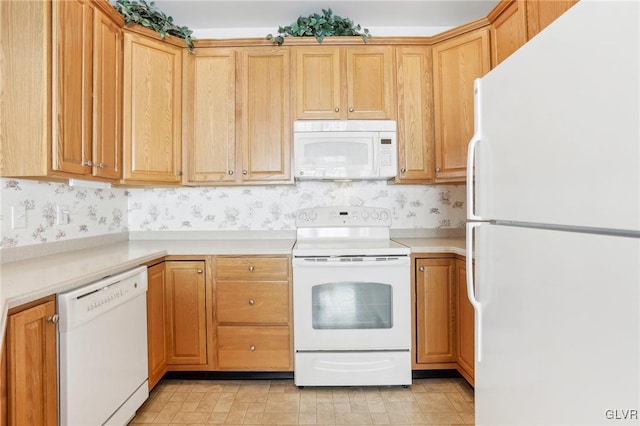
(434,245)
(28,280)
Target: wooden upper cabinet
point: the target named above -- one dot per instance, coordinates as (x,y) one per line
(457,62)
(508,29)
(541,13)
(369,82)
(415,115)
(237,116)
(318,82)
(72,105)
(435,311)
(32,380)
(263,109)
(152,107)
(107,97)
(62,119)
(186,312)
(344,82)
(209,116)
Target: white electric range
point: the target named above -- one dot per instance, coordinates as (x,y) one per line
(351,299)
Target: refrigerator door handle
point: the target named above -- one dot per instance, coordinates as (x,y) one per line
(471,286)
(471,152)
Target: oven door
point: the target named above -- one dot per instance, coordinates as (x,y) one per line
(352,303)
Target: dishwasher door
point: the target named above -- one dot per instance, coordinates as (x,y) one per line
(103,350)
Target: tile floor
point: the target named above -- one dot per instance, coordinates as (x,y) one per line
(280,402)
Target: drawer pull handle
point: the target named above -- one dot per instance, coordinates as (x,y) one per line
(53,318)
(252,348)
(252,302)
(251,268)
(199,271)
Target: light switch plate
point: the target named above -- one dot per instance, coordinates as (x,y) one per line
(62,215)
(18,217)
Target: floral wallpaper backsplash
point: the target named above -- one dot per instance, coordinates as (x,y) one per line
(274,207)
(92,212)
(96,212)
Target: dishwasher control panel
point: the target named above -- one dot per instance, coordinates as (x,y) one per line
(80,306)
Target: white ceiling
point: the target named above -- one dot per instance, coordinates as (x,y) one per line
(217,18)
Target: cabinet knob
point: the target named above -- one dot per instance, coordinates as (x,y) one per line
(88,163)
(252,302)
(199,271)
(252,348)
(53,318)
(337,109)
(244,172)
(100,165)
(403,170)
(437,169)
(351,109)
(251,268)
(421,269)
(230,172)
(178,172)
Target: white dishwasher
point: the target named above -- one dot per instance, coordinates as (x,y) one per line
(103,350)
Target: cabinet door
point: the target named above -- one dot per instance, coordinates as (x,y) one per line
(152,102)
(457,62)
(466,336)
(72,80)
(369,82)
(209,116)
(415,115)
(318,82)
(541,13)
(186,312)
(32,366)
(435,311)
(156,323)
(508,29)
(264,116)
(107,97)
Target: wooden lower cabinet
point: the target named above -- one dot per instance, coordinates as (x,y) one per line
(465,325)
(29,366)
(444,318)
(156,322)
(186,313)
(253,313)
(435,311)
(254,348)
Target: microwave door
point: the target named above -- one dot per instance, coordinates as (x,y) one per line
(339,155)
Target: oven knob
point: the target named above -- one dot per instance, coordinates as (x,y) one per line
(384,215)
(303,215)
(365,214)
(375,215)
(314,215)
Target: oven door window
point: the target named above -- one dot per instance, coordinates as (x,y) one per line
(352,305)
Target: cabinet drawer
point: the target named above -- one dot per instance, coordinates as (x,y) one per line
(252,268)
(254,348)
(252,302)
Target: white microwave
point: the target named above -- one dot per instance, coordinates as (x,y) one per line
(344,149)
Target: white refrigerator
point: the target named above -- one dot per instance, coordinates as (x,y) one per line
(554,224)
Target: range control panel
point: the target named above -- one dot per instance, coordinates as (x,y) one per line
(327,217)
